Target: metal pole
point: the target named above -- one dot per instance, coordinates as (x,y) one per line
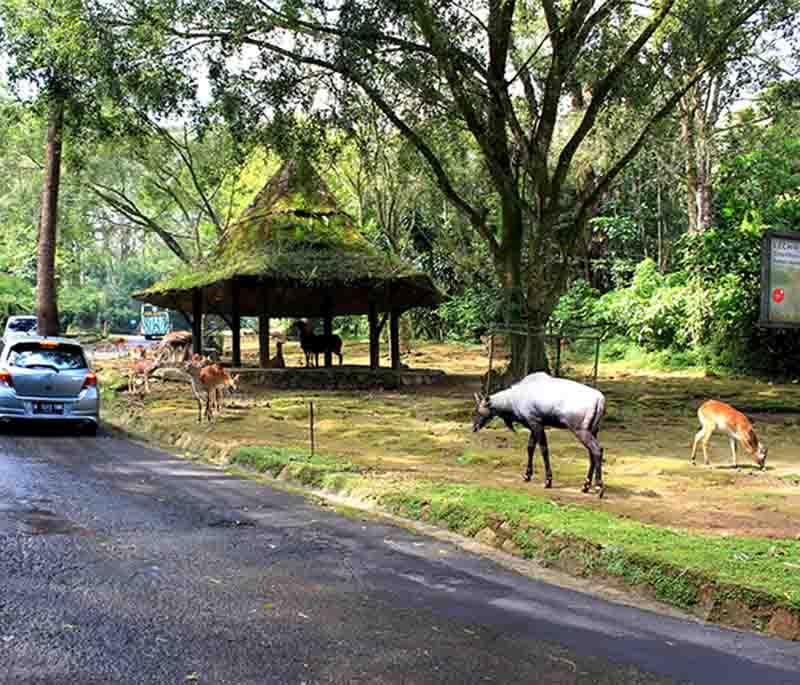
(311,425)
(491,357)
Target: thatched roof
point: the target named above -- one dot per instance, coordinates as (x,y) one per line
(292,246)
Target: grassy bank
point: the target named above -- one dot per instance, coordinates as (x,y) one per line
(740,581)
(719,541)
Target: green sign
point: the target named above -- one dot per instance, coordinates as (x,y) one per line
(780,280)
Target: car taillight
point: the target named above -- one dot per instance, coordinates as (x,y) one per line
(90,380)
(5,378)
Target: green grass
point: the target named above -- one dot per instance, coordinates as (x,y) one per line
(674,563)
(319,470)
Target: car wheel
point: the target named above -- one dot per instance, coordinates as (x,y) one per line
(90,429)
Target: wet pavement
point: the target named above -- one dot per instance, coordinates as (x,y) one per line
(121,564)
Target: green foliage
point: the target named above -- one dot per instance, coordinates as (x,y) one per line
(470,313)
(578,306)
(16,297)
(651,312)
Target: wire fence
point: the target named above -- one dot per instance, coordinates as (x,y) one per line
(569,351)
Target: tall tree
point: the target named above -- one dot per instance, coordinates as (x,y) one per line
(500,70)
(61,59)
(47,48)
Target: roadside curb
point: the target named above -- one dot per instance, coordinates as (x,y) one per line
(705,597)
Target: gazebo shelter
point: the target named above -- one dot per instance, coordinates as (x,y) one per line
(294,253)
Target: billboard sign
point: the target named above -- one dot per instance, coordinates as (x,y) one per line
(780,280)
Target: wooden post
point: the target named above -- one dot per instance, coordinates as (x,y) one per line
(596,360)
(197,321)
(327,329)
(311,425)
(263,330)
(374,339)
(263,341)
(394,338)
(558,355)
(236,324)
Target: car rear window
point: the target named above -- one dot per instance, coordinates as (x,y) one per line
(22,325)
(33,355)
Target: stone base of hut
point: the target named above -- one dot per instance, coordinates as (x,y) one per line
(338,378)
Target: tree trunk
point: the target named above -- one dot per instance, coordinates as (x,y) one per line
(694,137)
(46,293)
(521,313)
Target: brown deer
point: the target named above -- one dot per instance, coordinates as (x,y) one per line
(141,367)
(228,384)
(209,382)
(313,345)
(277,362)
(716,415)
(119,345)
(174,347)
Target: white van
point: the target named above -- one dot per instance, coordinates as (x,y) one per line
(19,326)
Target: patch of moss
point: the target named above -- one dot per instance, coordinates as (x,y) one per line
(299,465)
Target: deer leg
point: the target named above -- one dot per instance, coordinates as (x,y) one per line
(548,474)
(697,438)
(532,440)
(706,437)
(733,451)
(209,406)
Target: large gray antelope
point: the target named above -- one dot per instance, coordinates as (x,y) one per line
(540,401)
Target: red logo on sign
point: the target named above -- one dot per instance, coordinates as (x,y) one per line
(778,295)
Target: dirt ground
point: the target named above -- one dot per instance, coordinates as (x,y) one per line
(426,432)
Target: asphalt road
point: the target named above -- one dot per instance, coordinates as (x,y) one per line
(120,564)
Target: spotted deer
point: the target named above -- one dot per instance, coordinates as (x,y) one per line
(715,415)
(140,368)
(228,384)
(175,346)
(209,382)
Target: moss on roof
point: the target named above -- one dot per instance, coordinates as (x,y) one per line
(295,232)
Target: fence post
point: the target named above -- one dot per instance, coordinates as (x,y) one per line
(311,425)
(558,355)
(596,359)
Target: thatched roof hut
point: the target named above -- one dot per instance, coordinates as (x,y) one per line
(293,252)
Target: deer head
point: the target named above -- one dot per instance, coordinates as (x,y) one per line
(761,455)
(483,412)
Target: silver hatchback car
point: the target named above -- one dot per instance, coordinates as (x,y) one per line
(47,379)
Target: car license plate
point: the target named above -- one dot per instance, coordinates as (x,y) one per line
(48,408)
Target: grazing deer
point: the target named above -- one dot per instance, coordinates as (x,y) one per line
(540,401)
(314,344)
(715,415)
(119,345)
(277,362)
(174,347)
(141,367)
